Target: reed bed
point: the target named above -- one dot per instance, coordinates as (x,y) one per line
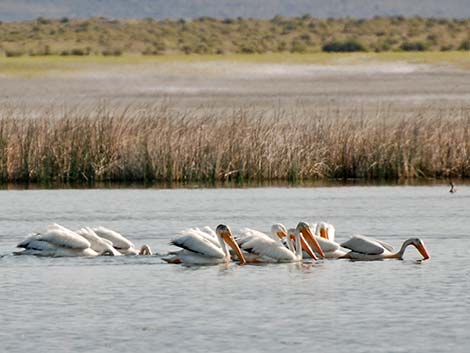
(159,145)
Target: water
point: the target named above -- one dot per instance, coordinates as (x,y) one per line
(143,305)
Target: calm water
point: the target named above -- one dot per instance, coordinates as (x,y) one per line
(143,305)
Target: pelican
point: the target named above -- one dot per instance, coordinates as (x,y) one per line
(324,230)
(265,248)
(120,243)
(324,235)
(199,248)
(100,245)
(365,248)
(57,241)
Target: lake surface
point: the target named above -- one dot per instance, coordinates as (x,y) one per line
(141,304)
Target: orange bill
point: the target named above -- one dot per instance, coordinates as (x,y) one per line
(307,248)
(324,233)
(423,251)
(307,233)
(232,243)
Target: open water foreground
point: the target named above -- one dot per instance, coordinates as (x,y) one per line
(141,304)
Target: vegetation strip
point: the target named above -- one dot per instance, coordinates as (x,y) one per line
(157,145)
(101,36)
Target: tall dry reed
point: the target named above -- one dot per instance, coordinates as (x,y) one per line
(158,145)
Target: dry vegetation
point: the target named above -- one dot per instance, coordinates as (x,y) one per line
(158,145)
(101,36)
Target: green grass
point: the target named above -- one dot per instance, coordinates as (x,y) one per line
(51,65)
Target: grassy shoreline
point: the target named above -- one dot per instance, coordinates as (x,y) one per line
(157,146)
(53,65)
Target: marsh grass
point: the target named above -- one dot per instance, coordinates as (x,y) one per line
(157,145)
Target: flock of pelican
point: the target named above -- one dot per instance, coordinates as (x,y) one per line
(208,247)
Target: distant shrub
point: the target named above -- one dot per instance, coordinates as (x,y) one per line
(111,52)
(282,46)
(187,49)
(46,50)
(13,53)
(465,45)
(79,52)
(383,45)
(151,51)
(245,49)
(298,47)
(202,49)
(42,21)
(413,46)
(351,45)
(306,38)
(64,20)
(447,47)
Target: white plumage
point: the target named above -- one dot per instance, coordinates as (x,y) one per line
(120,243)
(264,247)
(200,248)
(60,241)
(270,248)
(97,243)
(365,248)
(57,241)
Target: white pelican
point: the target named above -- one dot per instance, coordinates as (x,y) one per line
(365,248)
(100,245)
(265,248)
(324,230)
(120,243)
(325,234)
(200,249)
(57,241)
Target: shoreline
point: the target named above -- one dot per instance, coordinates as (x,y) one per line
(307,184)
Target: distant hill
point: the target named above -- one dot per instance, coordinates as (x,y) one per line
(160,9)
(102,36)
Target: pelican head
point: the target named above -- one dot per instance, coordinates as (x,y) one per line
(279,230)
(145,250)
(418,244)
(304,229)
(323,228)
(226,234)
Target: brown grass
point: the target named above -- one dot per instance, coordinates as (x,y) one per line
(158,145)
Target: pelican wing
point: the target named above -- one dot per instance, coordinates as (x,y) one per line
(198,244)
(32,243)
(327,245)
(206,235)
(247,235)
(118,240)
(259,243)
(385,245)
(210,231)
(364,245)
(59,236)
(97,243)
